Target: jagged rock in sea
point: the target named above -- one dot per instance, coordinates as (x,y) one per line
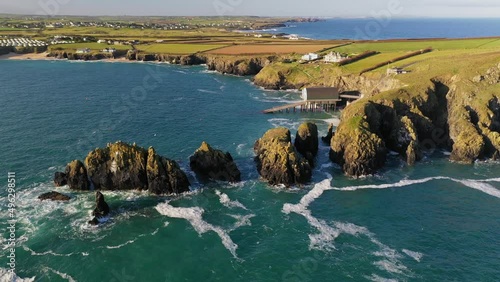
(60,179)
(306,141)
(121,166)
(54,196)
(278,161)
(212,164)
(328,138)
(101,210)
(164,176)
(77,177)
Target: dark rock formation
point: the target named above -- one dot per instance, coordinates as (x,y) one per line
(306,141)
(60,179)
(101,210)
(54,196)
(278,161)
(119,166)
(328,138)
(164,176)
(77,176)
(212,164)
(237,65)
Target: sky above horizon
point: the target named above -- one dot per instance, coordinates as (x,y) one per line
(313,8)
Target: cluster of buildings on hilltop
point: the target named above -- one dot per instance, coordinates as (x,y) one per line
(332,57)
(21,42)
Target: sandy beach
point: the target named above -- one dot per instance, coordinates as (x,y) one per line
(30,56)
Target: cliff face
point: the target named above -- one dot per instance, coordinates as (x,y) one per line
(461,114)
(281,76)
(238,66)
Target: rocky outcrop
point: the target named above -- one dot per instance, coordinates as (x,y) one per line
(54,196)
(60,179)
(278,161)
(306,141)
(328,138)
(121,166)
(85,57)
(237,65)
(212,164)
(456,113)
(77,177)
(164,176)
(101,210)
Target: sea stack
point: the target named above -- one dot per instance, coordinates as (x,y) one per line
(212,164)
(278,161)
(54,196)
(306,141)
(101,210)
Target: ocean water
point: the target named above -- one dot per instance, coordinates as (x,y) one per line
(435,221)
(379,27)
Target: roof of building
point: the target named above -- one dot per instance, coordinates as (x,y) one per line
(322,93)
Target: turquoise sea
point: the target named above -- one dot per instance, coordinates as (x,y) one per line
(435,221)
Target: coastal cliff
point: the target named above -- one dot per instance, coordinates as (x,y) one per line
(457,113)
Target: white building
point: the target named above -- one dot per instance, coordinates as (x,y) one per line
(108,50)
(310,57)
(83,51)
(293,37)
(101,41)
(334,57)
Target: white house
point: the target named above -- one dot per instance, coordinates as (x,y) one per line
(108,50)
(83,51)
(101,41)
(293,37)
(334,57)
(310,57)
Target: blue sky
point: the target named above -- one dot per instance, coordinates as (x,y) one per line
(320,8)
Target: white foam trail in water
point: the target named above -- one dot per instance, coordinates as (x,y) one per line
(241,220)
(284,122)
(471,183)
(207,91)
(376,278)
(327,234)
(50,252)
(224,199)
(62,275)
(414,255)
(6,276)
(195,216)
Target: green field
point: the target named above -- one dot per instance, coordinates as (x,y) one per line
(93,46)
(177,48)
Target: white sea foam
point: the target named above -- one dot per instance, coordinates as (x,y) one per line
(376,278)
(241,220)
(471,183)
(224,199)
(195,216)
(324,240)
(6,276)
(284,122)
(62,275)
(124,244)
(50,252)
(207,91)
(414,255)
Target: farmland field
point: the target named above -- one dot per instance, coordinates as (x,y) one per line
(177,48)
(92,46)
(269,49)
